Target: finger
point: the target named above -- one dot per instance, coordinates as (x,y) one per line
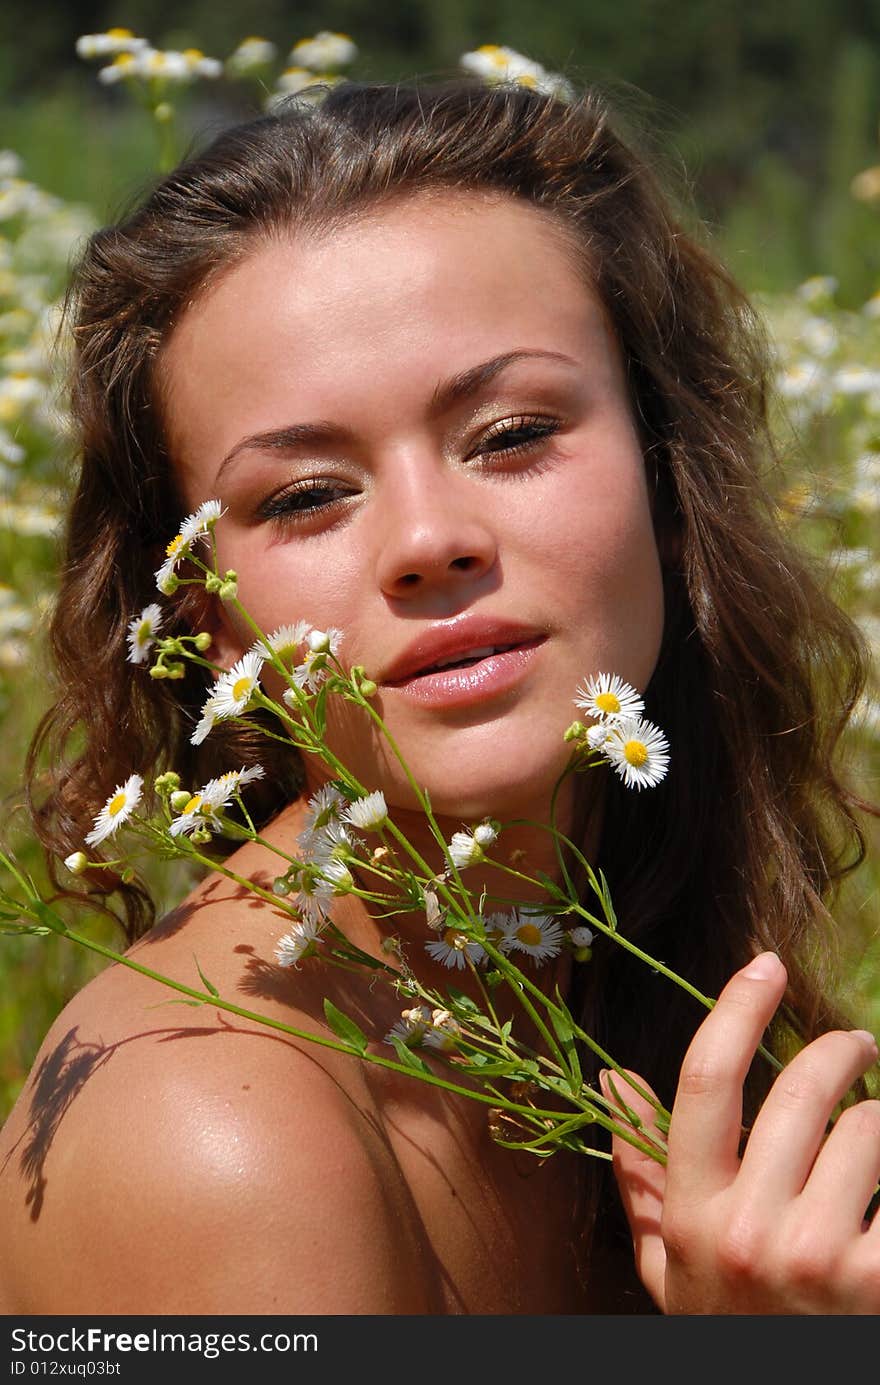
(706,1122)
(790,1127)
(847,1169)
(642,1184)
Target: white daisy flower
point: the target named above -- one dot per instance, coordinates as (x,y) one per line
(817,287)
(638,751)
(334,878)
(607,697)
(113,41)
(581,936)
(313,670)
(333,841)
(195,813)
(465,850)
(285,641)
(537,934)
(252,53)
(175,550)
(201,521)
(142,632)
(324,52)
(454,948)
(220,792)
(412,1025)
(598,734)
(298,942)
(324,807)
(205,724)
(443,1032)
(235,688)
(117,810)
(369,813)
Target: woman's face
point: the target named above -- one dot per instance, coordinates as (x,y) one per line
(419,428)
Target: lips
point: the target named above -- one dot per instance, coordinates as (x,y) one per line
(458,645)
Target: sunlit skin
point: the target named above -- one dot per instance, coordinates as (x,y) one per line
(246,1172)
(416,517)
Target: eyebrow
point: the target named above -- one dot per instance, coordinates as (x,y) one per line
(449,392)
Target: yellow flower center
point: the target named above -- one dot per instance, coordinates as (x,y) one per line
(120,33)
(529,933)
(174,546)
(123,60)
(607,702)
(635,753)
(453,938)
(193,803)
(116,805)
(241,687)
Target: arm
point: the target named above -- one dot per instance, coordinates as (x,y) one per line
(215,1173)
(783,1228)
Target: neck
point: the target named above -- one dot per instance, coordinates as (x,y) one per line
(396,931)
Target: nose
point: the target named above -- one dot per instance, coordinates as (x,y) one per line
(436,532)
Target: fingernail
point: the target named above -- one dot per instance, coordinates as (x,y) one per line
(867,1037)
(763,967)
(603,1081)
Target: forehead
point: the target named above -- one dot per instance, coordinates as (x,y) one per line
(390,297)
(440,238)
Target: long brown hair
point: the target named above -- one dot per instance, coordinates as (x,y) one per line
(741,847)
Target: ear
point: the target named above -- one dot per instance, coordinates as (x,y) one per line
(201,610)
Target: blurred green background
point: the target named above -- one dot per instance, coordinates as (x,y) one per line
(765,118)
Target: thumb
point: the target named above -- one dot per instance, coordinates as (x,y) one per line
(640,1179)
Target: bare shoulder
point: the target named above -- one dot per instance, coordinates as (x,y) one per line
(167,1159)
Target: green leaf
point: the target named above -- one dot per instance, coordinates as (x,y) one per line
(344,1028)
(208,985)
(463,1002)
(319,710)
(409,1059)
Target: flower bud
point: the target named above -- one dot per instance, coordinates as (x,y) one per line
(369,688)
(228,590)
(179,799)
(167,782)
(574,732)
(281,886)
(77,862)
(203,640)
(213,583)
(158,671)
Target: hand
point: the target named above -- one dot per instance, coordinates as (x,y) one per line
(783,1229)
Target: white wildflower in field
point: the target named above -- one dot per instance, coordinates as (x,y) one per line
(286,641)
(369,813)
(454,949)
(142,632)
(608,697)
(110,42)
(323,53)
(299,941)
(117,810)
(235,688)
(465,850)
(538,935)
(412,1025)
(497,63)
(638,751)
(251,55)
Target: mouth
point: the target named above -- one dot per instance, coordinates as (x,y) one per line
(470,676)
(474,656)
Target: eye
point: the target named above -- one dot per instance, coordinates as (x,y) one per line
(302,500)
(518,435)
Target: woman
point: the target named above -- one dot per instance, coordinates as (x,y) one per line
(467,392)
